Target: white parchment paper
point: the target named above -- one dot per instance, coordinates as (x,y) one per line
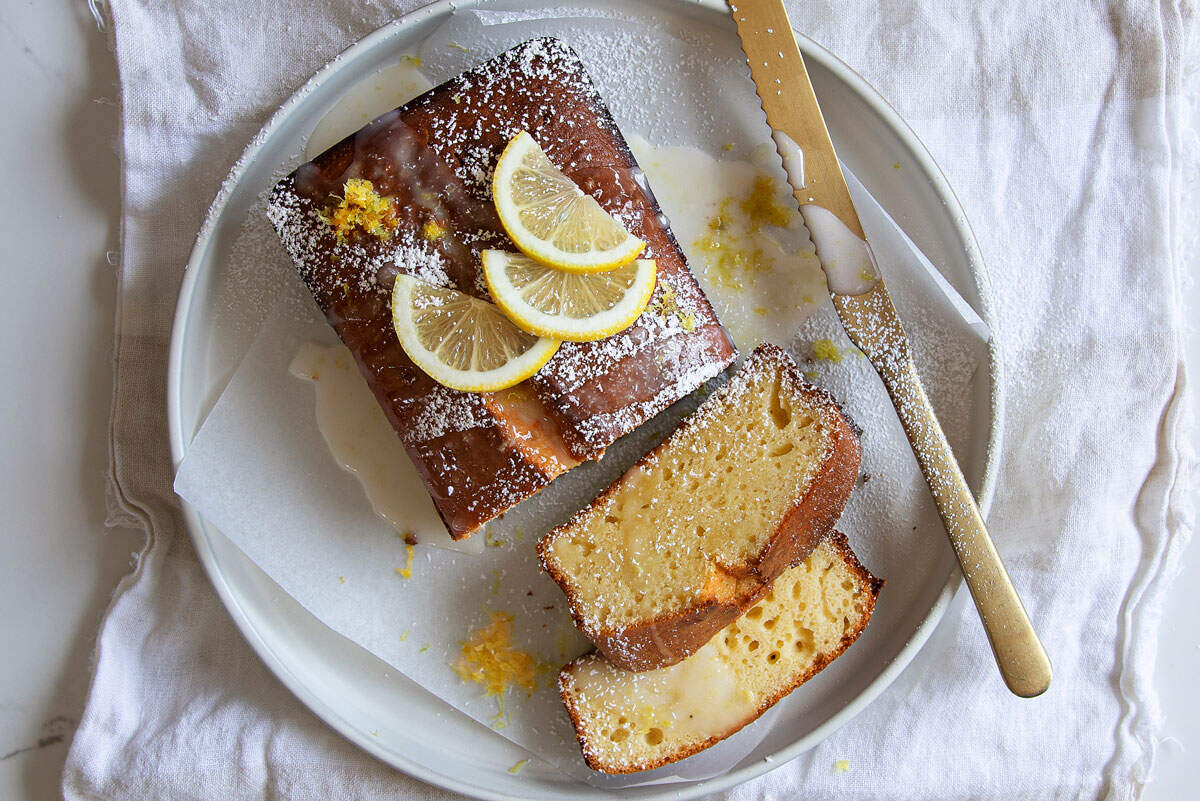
(260,471)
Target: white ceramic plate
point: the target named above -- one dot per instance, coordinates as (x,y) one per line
(362,697)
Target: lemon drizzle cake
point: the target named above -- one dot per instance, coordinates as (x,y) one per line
(627,722)
(421,205)
(694,533)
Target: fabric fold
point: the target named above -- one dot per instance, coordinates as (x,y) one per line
(1062,136)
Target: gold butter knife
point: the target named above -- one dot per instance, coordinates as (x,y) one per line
(869,317)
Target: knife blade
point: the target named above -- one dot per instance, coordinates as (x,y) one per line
(867,313)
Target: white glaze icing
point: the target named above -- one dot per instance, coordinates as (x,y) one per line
(781,292)
(362,441)
(388,88)
(793,158)
(690,699)
(846,258)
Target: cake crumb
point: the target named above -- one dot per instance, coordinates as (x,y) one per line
(841,766)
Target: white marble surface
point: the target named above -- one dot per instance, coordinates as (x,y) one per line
(58,563)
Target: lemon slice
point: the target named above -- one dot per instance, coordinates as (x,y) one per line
(550,219)
(574,306)
(463,342)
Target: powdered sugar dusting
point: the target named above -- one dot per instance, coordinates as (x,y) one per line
(444,411)
(422,173)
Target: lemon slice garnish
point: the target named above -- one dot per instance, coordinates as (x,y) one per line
(574,306)
(552,220)
(463,342)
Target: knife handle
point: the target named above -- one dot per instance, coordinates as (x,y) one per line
(1019,654)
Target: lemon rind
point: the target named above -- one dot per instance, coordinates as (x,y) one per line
(530,361)
(539,323)
(543,252)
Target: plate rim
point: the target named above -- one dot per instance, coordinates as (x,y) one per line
(196,527)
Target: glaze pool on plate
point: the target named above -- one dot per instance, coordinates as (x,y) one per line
(361,697)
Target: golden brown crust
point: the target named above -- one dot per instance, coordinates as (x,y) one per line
(873,584)
(822,505)
(462,462)
(732,589)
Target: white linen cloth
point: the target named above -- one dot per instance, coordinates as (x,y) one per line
(1061,128)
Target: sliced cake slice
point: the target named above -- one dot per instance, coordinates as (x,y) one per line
(694,533)
(627,722)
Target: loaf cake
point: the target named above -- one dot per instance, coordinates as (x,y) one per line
(694,533)
(424,171)
(627,722)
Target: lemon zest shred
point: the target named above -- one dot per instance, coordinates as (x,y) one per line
(501,720)
(360,206)
(825,350)
(488,658)
(732,252)
(433,230)
(760,207)
(516,768)
(406,571)
(668,306)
